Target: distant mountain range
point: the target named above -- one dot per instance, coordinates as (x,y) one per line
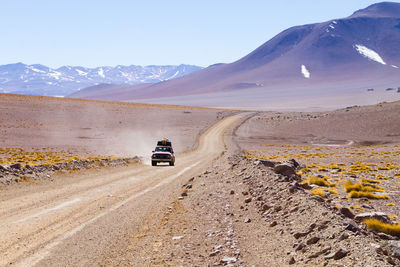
(37,79)
(337,59)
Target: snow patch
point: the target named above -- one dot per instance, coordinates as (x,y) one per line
(55,74)
(173,76)
(305,72)
(369,53)
(394,66)
(81,73)
(35,69)
(334,22)
(101,72)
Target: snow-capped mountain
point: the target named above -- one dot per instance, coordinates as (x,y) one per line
(337,58)
(41,80)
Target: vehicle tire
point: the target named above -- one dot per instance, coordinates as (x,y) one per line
(153,163)
(171,163)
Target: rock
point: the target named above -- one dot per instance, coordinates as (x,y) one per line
(385,236)
(16,166)
(177,237)
(305,186)
(267,163)
(318,198)
(245,193)
(274,223)
(184,194)
(351,226)
(180,198)
(300,246)
(343,236)
(347,212)
(367,206)
(247,220)
(381,216)
(2,168)
(341,253)
(312,226)
(228,259)
(247,200)
(294,209)
(278,208)
(294,163)
(292,261)
(300,234)
(319,253)
(189,186)
(232,192)
(214,253)
(265,207)
(313,240)
(396,253)
(285,169)
(391,261)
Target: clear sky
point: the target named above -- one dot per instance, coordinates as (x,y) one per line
(153,32)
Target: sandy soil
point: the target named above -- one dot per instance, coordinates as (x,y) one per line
(111,128)
(80,217)
(220,205)
(367,125)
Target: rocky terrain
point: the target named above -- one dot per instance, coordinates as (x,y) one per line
(291,202)
(290,189)
(243,213)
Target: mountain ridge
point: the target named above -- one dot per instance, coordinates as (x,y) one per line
(42,80)
(360,50)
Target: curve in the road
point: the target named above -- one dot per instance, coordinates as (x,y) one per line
(34,225)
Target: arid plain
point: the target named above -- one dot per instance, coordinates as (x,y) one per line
(81,191)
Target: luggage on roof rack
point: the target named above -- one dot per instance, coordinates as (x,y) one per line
(164,142)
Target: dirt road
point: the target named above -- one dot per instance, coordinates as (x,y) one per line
(73,221)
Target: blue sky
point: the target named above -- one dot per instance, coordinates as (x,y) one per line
(154,32)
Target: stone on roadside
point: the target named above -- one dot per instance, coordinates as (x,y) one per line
(381,216)
(285,169)
(16,166)
(267,163)
(274,223)
(247,200)
(339,254)
(313,240)
(347,212)
(228,259)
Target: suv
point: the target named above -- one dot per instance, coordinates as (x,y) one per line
(163,153)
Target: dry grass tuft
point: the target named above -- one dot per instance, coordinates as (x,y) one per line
(350,186)
(318,192)
(370,195)
(319,181)
(378,226)
(369,181)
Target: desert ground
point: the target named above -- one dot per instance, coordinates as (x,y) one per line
(248,188)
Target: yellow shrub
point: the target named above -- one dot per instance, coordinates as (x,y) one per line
(387,228)
(350,186)
(318,192)
(369,181)
(390,204)
(318,181)
(334,192)
(360,194)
